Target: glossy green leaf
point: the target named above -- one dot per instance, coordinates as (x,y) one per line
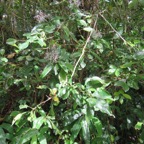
(66,95)
(82,64)
(96,34)
(123,85)
(23,46)
(103,94)
(92,101)
(103,106)
(69,66)
(18,117)
(117,72)
(83,22)
(2,136)
(85,131)
(21,58)
(41,42)
(138,126)
(88,29)
(133,83)
(71,116)
(127,65)
(66,33)
(46,70)
(54,126)
(142,136)
(42,87)
(29,58)
(27,135)
(139,55)
(127,96)
(23,106)
(76,129)
(50,28)
(63,66)
(98,125)
(133,3)
(94,82)
(112,69)
(7,127)
(42,139)
(11,41)
(62,77)
(34,140)
(2,51)
(4,59)
(56,68)
(38,122)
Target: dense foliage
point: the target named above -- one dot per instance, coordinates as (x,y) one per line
(72,72)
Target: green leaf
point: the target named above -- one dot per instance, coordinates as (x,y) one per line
(92,101)
(127,65)
(11,41)
(66,33)
(38,122)
(82,64)
(64,94)
(69,66)
(18,117)
(23,106)
(42,87)
(20,58)
(46,70)
(23,46)
(7,127)
(62,76)
(123,85)
(56,68)
(41,42)
(133,83)
(76,129)
(54,126)
(83,22)
(117,72)
(50,29)
(2,136)
(142,28)
(103,94)
(27,135)
(133,3)
(138,126)
(127,96)
(94,81)
(34,140)
(103,106)
(2,51)
(88,29)
(98,125)
(142,135)
(42,139)
(139,55)
(95,35)
(63,66)
(4,59)
(29,58)
(85,131)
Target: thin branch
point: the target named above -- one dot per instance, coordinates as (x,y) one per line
(113,28)
(43,102)
(83,50)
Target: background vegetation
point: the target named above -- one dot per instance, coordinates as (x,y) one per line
(72,72)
